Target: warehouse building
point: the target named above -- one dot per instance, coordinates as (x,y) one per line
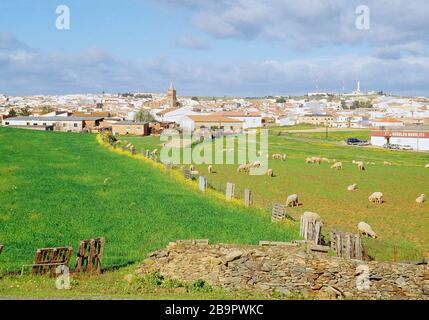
(417,137)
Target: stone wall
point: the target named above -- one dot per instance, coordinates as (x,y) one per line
(288,269)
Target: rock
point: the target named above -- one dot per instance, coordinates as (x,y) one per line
(232,255)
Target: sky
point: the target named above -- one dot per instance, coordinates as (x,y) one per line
(215,48)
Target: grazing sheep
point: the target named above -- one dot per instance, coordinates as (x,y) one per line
(337,166)
(243,168)
(257,164)
(210,169)
(292,200)
(191,168)
(312,216)
(361,166)
(317,160)
(325,160)
(278,156)
(421,198)
(270,173)
(154,152)
(366,230)
(427,166)
(387,163)
(376,197)
(308,160)
(352,187)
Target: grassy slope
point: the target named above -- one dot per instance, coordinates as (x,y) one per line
(52,193)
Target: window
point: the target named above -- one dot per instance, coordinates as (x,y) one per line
(28,123)
(34,124)
(44,123)
(75,125)
(7,123)
(64,124)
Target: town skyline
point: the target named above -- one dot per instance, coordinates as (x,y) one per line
(227,48)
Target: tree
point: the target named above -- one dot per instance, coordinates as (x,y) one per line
(195,99)
(12,113)
(143,116)
(47,109)
(24,112)
(281,100)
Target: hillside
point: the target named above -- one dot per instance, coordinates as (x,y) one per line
(59,188)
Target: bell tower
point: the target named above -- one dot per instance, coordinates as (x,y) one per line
(171,96)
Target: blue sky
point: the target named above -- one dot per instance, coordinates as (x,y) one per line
(223,47)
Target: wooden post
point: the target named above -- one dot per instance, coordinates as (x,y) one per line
(203,184)
(248,197)
(168,167)
(230,188)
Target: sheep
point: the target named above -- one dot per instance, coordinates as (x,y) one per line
(387,163)
(427,166)
(191,168)
(292,200)
(194,173)
(421,198)
(312,216)
(361,166)
(278,156)
(243,168)
(257,164)
(352,187)
(376,197)
(308,160)
(325,160)
(210,169)
(317,160)
(337,166)
(366,230)
(270,173)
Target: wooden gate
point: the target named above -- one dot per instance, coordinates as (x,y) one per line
(278,213)
(311,229)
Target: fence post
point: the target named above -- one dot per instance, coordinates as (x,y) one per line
(230,187)
(203,184)
(248,197)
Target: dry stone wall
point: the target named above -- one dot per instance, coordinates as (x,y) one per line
(290,270)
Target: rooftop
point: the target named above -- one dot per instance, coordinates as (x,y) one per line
(212,118)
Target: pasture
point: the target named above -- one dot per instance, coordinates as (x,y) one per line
(401,223)
(59,188)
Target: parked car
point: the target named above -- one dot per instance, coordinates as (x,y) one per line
(356,142)
(407,147)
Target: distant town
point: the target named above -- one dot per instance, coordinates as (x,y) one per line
(402,122)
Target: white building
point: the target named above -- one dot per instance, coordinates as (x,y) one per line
(249,119)
(386,122)
(415,137)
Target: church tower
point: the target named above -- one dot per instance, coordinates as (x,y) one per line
(171,96)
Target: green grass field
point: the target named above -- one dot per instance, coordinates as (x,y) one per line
(59,188)
(403,225)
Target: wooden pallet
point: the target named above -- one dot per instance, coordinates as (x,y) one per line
(90,255)
(48,259)
(278,213)
(347,245)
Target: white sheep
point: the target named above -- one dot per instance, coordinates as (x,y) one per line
(191,168)
(313,216)
(210,169)
(427,166)
(257,164)
(292,200)
(366,230)
(421,198)
(387,163)
(337,166)
(325,160)
(376,197)
(352,187)
(270,173)
(243,168)
(361,166)
(278,156)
